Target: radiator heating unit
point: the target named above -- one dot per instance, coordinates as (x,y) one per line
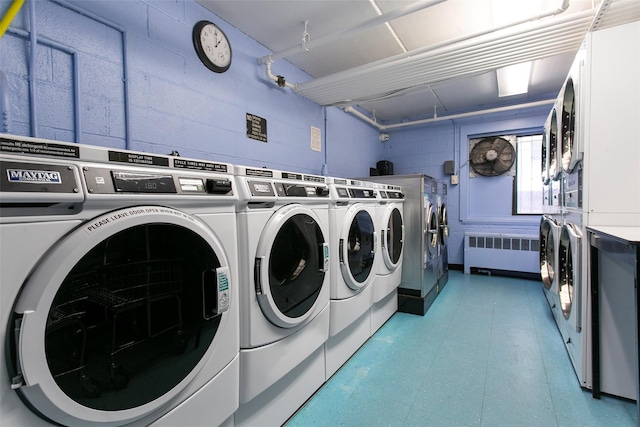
(505,252)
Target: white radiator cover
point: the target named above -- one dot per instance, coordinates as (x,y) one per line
(497,251)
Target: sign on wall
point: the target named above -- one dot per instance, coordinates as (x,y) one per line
(316,139)
(256,127)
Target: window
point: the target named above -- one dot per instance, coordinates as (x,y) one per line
(527,189)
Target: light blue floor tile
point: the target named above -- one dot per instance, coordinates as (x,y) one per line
(487,353)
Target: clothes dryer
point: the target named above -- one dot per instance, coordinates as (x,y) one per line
(570,123)
(354,248)
(390,216)
(119,297)
(283,237)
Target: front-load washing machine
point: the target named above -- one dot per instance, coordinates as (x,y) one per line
(390,214)
(571,292)
(119,298)
(549,239)
(354,247)
(283,243)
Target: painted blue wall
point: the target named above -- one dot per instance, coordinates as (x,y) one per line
(174,102)
(474,204)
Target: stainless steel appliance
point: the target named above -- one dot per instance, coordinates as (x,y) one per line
(418,288)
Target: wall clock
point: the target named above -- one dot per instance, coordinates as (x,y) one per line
(212,46)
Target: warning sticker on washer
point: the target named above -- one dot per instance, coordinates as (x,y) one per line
(39,148)
(126,214)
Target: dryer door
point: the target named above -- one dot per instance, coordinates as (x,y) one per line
(291,261)
(443,229)
(568,122)
(120,316)
(569,271)
(544,158)
(553,154)
(431,232)
(357,247)
(392,237)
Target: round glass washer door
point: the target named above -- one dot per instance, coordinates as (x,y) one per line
(392,237)
(120,316)
(291,262)
(547,252)
(357,247)
(569,268)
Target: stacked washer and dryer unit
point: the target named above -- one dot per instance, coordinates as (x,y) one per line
(597,163)
(119,287)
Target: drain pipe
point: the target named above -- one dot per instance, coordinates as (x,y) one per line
(33,40)
(307,44)
(437,118)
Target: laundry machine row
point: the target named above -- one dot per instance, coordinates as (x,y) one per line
(582,189)
(123,263)
(119,287)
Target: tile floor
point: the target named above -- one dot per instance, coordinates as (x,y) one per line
(487,353)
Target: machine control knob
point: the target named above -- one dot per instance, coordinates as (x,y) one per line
(322,191)
(218,186)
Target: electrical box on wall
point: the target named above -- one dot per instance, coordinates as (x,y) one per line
(449,167)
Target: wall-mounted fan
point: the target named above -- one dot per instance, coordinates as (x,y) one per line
(492,156)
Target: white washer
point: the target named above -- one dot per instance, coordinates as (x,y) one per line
(571,289)
(392,234)
(283,235)
(354,259)
(119,297)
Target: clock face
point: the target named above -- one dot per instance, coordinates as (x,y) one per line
(212,46)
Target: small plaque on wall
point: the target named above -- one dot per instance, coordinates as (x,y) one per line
(316,139)
(256,127)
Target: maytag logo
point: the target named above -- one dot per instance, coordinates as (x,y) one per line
(34,177)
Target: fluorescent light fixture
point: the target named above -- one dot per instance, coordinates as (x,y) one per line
(514,79)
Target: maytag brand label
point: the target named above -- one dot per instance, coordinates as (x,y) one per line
(34,176)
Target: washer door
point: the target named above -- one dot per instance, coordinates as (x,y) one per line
(569,269)
(291,261)
(119,316)
(392,237)
(547,251)
(357,247)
